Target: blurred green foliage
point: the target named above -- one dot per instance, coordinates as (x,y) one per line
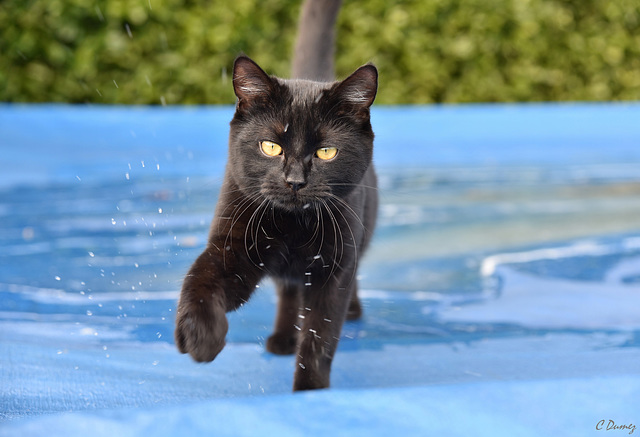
(181,51)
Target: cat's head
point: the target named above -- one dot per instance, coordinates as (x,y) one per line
(294,142)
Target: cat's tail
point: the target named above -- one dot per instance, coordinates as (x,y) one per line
(315,45)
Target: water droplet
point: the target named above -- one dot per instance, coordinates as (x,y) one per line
(159,210)
(89,313)
(91,254)
(57,278)
(28,233)
(301,366)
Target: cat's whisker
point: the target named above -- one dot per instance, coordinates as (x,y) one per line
(353,238)
(246,204)
(242,194)
(337,253)
(316,231)
(248,228)
(259,227)
(349,208)
(356,185)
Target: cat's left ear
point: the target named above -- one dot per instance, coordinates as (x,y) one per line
(250,83)
(360,88)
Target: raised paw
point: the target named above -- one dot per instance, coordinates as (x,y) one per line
(282,343)
(201,328)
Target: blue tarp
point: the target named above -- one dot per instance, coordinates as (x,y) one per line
(500,292)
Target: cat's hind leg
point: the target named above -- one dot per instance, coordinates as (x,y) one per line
(284,339)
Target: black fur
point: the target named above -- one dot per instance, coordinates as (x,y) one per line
(303,221)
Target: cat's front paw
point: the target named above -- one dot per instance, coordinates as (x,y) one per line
(201,328)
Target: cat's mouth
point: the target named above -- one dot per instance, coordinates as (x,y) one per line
(292,200)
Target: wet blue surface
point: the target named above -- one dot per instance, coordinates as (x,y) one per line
(501,291)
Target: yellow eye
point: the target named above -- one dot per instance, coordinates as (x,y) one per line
(326,153)
(270,148)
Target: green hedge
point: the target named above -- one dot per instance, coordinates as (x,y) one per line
(181,51)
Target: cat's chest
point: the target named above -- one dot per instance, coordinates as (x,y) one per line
(300,248)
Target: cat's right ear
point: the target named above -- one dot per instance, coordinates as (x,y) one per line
(250,83)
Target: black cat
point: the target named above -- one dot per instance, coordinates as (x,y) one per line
(298,203)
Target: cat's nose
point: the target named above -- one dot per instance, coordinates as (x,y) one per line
(296,185)
(295,176)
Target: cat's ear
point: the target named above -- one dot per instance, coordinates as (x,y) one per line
(250,83)
(359,89)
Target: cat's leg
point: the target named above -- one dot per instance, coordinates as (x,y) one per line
(324,314)
(216,283)
(284,339)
